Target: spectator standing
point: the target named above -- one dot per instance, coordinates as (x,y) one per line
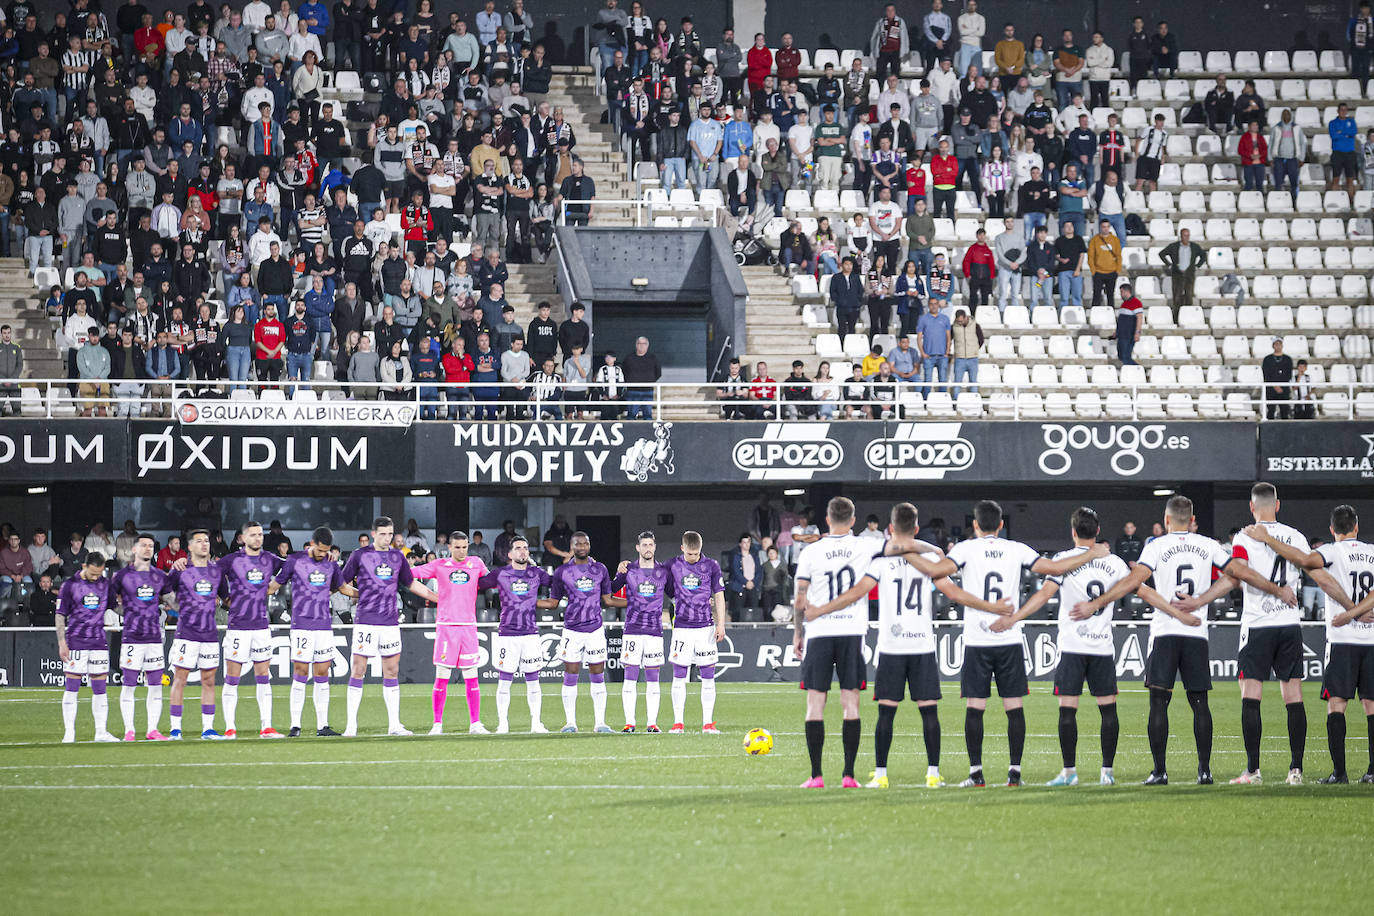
(611,27)
(830,144)
(1068,69)
(980,269)
(889,42)
(704,138)
(1138,56)
(972,28)
(879,298)
(1070,252)
(1277,369)
(1359,32)
(1343,132)
(269,345)
(966,341)
(846,296)
(11,369)
(1073,191)
(908,291)
(758,64)
(1081,145)
(730,67)
(920,237)
(932,343)
(1099,62)
(1110,204)
(93,369)
(944,177)
(1009,56)
(1288,149)
(1305,407)
(164,366)
(641,372)
(1129,545)
(1130,318)
(1183,258)
(1149,154)
(1104,261)
(885,219)
(1254,157)
(938,33)
(940,281)
(997,178)
(1010,250)
(1033,202)
(364,369)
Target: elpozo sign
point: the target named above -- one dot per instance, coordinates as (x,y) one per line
(213,412)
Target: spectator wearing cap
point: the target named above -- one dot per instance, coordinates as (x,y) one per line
(932,343)
(1130,318)
(1104,261)
(1277,369)
(966,340)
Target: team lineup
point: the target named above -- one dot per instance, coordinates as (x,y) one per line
(1178,575)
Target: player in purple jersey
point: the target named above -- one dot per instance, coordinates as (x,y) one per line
(584,583)
(82,645)
(138,587)
(195,645)
(517,648)
(313,577)
(646,584)
(698,625)
(248,637)
(379,574)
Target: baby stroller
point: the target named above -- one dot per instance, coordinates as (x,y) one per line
(749,246)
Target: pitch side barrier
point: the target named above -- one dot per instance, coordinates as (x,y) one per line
(749,653)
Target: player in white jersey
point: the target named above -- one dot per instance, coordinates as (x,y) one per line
(1270,636)
(906,642)
(1345,571)
(831,647)
(1180,562)
(992,565)
(1085,645)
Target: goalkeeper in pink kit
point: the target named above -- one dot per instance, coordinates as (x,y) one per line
(455,633)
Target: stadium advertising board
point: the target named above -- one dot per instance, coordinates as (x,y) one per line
(1304,452)
(218,412)
(853,451)
(46,450)
(749,653)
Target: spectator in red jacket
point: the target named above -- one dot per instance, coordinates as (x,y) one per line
(915,183)
(759,62)
(764,391)
(170,554)
(788,59)
(418,224)
(1254,156)
(458,369)
(944,175)
(980,269)
(269,344)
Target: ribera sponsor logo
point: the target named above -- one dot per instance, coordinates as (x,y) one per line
(920,451)
(788,451)
(1124,445)
(1325,464)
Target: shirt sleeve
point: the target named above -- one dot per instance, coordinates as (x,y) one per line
(404,575)
(350,570)
(618,582)
(605,579)
(1238,551)
(173,582)
(288,568)
(717,578)
(425,570)
(1220,558)
(64,595)
(488,579)
(1027,554)
(804,566)
(1149,555)
(556,590)
(956,553)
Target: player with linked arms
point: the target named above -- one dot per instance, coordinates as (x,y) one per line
(455,630)
(516,648)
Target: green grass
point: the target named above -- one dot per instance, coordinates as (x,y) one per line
(524,824)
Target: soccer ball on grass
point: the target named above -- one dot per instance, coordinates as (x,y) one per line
(758,742)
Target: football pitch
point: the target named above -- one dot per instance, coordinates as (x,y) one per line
(522,824)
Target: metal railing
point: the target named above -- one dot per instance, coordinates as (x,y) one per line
(645,211)
(504,401)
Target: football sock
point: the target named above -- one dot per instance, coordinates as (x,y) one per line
(598,692)
(69,693)
(850,733)
(1297,734)
(175,711)
(973,737)
(100,705)
(503,685)
(534,695)
(1250,730)
(264,682)
(440,698)
(153,702)
(629,693)
(679,691)
(295,700)
(1016,735)
(354,700)
(473,689)
(128,699)
(882,736)
(229,694)
(1369,723)
(1335,740)
(391,697)
(1111,731)
(569,698)
(708,693)
(930,731)
(321,699)
(815,743)
(207,715)
(1157,728)
(651,696)
(1068,735)
(1202,728)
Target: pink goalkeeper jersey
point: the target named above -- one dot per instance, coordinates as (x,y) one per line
(457,587)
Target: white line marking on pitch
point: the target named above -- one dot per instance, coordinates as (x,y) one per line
(342,760)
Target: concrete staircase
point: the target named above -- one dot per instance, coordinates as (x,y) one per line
(21,307)
(574,90)
(777,334)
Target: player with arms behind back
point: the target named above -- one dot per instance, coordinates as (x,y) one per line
(455,631)
(1345,571)
(698,624)
(82,645)
(138,587)
(379,573)
(1270,635)
(313,577)
(198,587)
(990,565)
(584,583)
(832,647)
(248,637)
(646,583)
(1086,651)
(516,649)
(906,642)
